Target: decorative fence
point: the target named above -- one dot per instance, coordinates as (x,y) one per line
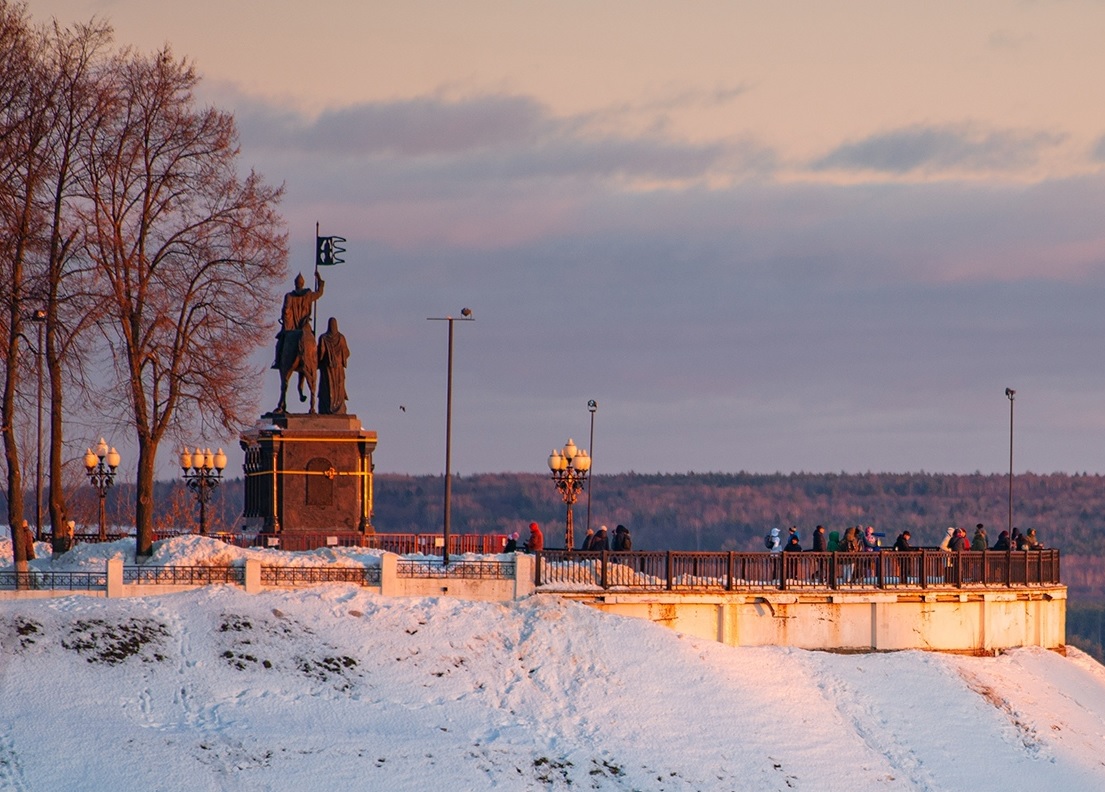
(312,576)
(53,581)
(464,570)
(691,571)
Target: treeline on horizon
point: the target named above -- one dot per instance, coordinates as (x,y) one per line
(697,511)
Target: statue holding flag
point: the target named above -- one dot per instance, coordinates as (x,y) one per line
(297,308)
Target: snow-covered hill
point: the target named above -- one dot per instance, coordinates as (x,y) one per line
(332,688)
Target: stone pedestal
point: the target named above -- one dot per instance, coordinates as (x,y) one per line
(308,474)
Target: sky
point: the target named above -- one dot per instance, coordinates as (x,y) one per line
(330,687)
(761,236)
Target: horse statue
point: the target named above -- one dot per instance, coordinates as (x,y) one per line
(298,355)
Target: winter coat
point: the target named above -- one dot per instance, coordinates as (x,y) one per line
(946,543)
(979,540)
(1003,542)
(834,541)
(958,543)
(600,541)
(902,543)
(793,545)
(820,543)
(536,541)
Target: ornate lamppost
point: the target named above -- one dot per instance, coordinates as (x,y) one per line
(203,472)
(569,467)
(100,466)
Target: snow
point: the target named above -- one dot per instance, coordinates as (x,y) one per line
(332,688)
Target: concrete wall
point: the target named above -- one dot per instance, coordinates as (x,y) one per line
(960,621)
(498,590)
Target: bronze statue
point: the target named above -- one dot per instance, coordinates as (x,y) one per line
(296,308)
(333,353)
(295,343)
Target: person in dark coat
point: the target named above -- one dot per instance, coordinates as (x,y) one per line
(901,544)
(601,540)
(622,539)
(588,537)
(820,542)
(959,542)
(1030,541)
(980,540)
(1003,542)
(511,543)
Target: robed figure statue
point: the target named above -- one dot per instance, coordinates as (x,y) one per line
(333,353)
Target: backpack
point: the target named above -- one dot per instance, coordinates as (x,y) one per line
(769,541)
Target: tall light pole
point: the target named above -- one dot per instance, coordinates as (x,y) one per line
(39,318)
(569,467)
(1010,393)
(100,465)
(592,406)
(465,315)
(203,471)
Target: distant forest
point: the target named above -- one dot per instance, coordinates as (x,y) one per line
(713,511)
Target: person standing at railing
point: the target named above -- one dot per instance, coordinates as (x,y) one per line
(511,543)
(820,542)
(901,544)
(536,542)
(1030,542)
(1003,542)
(622,540)
(979,540)
(588,537)
(601,540)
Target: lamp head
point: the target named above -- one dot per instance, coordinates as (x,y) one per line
(466,312)
(1010,393)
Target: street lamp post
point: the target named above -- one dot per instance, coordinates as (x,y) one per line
(569,467)
(466,316)
(203,472)
(1010,393)
(100,465)
(592,406)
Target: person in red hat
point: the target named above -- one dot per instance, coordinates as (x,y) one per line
(536,541)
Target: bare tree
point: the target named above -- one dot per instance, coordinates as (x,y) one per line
(24,137)
(67,294)
(190,254)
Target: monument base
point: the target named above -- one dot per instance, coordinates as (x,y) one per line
(307,474)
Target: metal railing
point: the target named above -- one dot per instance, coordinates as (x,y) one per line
(464,570)
(53,581)
(312,576)
(883,570)
(184,575)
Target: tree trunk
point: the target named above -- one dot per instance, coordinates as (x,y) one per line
(143,510)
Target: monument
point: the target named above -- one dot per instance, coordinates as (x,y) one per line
(309,473)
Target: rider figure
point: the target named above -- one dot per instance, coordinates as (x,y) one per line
(297,307)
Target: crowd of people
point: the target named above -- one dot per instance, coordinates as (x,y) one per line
(593,541)
(858,539)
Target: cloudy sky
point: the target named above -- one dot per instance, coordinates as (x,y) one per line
(763,236)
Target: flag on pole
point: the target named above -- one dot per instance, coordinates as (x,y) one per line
(328,250)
